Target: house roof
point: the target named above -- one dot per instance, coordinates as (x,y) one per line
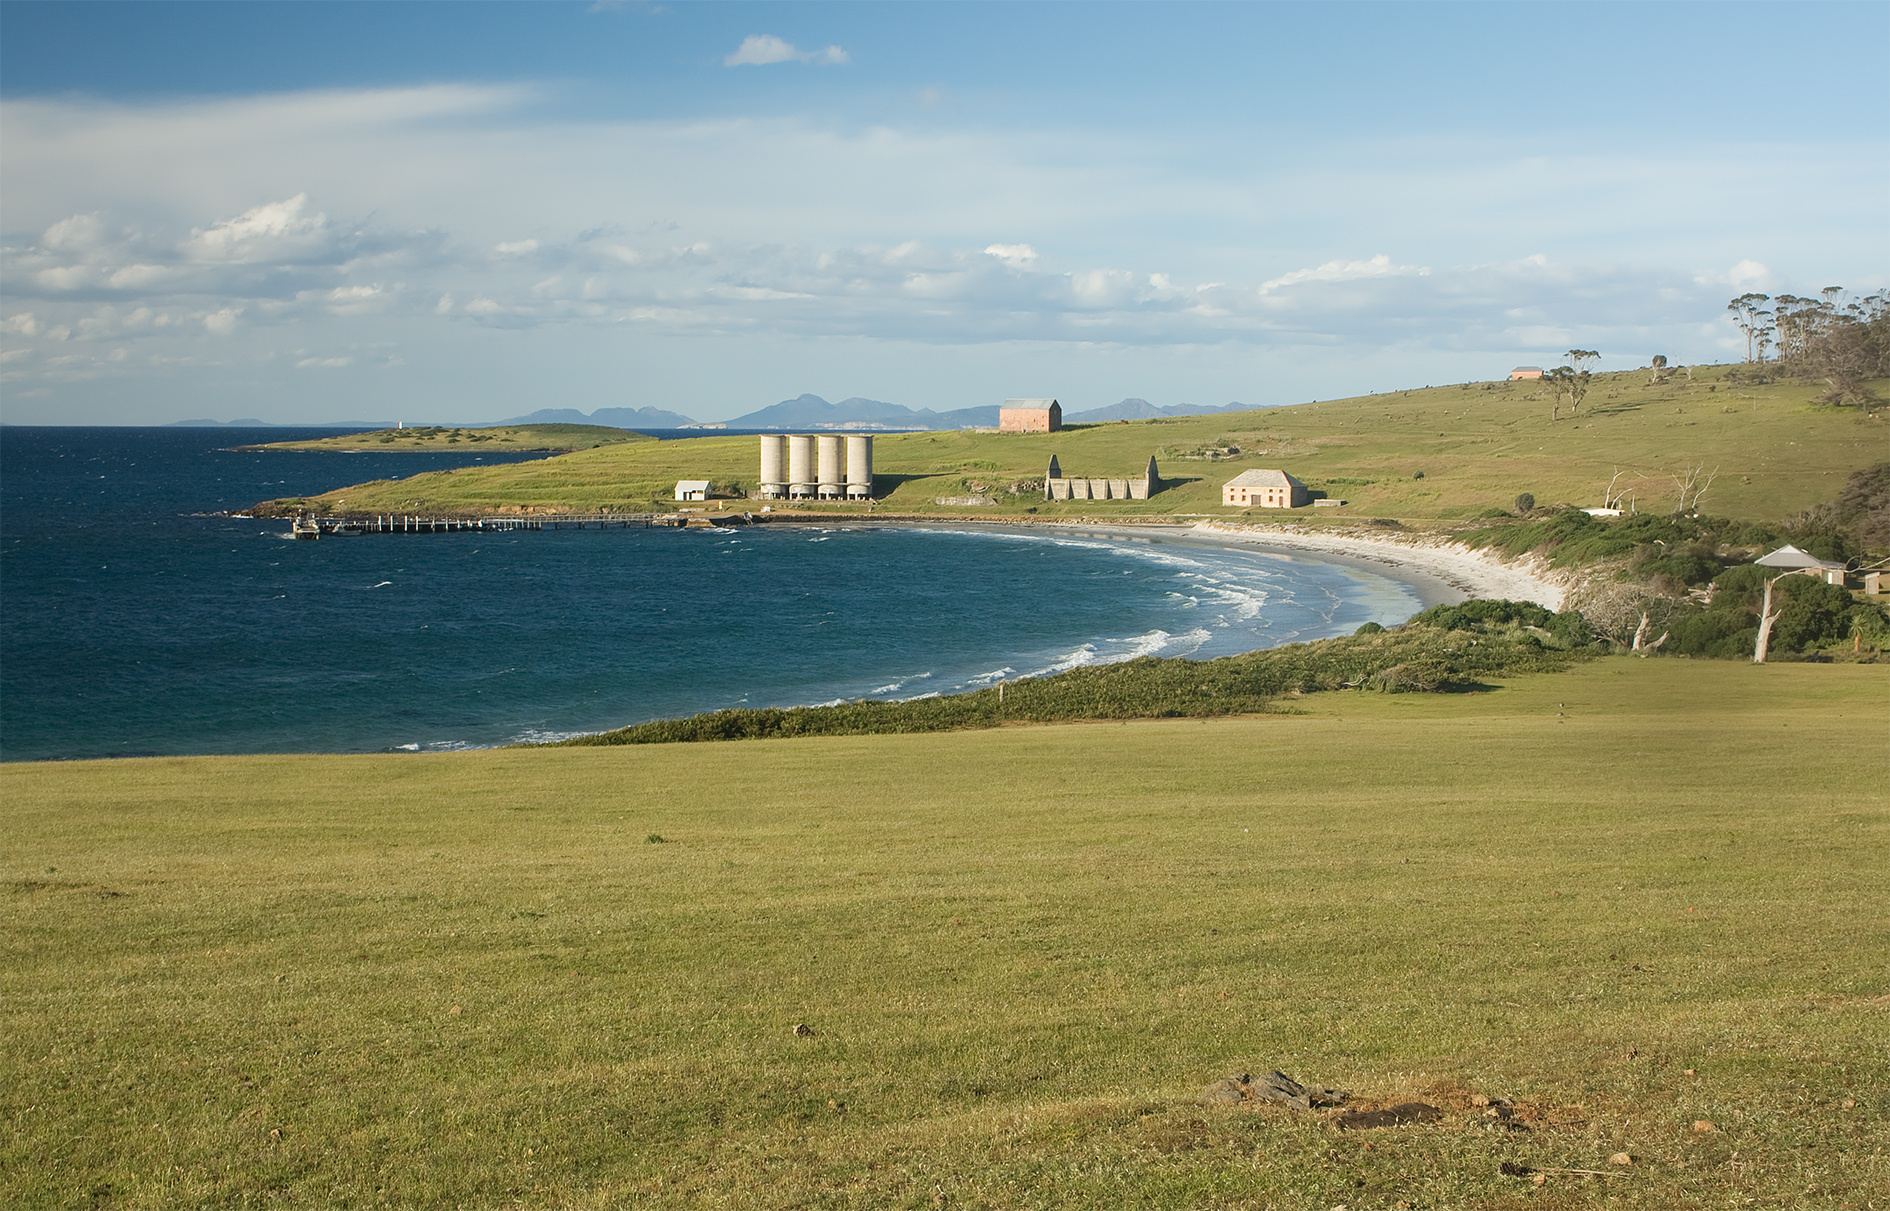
(1789,556)
(692,485)
(1263,479)
(1030,405)
(1537,369)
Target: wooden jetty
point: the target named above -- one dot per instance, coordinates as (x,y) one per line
(337,527)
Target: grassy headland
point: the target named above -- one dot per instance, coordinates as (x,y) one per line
(1476,445)
(1642,899)
(551,439)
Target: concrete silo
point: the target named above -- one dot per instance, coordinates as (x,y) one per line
(773,466)
(832,475)
(859,466)
(800,466)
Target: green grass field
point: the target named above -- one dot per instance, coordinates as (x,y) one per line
(1477,444)
(1633,897)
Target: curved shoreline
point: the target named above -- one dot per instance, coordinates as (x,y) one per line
(1464,571)
(1441,571)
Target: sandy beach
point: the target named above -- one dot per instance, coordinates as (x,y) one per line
(1443,572)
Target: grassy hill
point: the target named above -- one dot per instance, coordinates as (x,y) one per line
(551,438)
(1643,901)
(1476,446)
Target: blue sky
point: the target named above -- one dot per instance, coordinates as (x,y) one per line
(459,212)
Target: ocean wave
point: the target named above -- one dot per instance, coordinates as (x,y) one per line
(539,736)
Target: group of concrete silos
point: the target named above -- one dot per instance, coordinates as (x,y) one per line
(826,467)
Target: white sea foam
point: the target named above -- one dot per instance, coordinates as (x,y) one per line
(536,736)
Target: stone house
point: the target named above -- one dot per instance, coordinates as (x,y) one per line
(1266,489)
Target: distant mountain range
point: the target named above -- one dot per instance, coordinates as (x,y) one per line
(1141,409)
(813,412)
(618,418)
(802,412)
(857,412)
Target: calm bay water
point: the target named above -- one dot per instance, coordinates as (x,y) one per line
(133,623)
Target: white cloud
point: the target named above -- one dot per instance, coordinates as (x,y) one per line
(222,322)
(1015,255)
(517,248)
(1341,271)
(272,231)
(759,50)
(1748,274)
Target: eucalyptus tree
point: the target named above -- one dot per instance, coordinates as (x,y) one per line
(1750,314)
(1570,382)
(1844,345)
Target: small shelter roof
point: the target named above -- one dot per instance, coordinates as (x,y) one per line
(1789,556)
(1263,479)
(1033,405)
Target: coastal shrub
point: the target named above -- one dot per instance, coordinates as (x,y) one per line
(1421,656)
(1720,634)
(1814,614)
(1370,628)
(1690,563)
(1870,628)
(1483,614)
(1525,502)
(1811,615)
(1571,630)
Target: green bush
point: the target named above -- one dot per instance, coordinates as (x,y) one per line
(1418,657)
(1571,630)
(1811,614)
(1482,615)
(1689,564)
(1870,627)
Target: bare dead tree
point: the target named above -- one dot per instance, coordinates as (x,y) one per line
(1767,616)
(1692,488)
(1609,496)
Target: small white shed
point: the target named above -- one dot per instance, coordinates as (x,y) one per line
(1790,558)
(692,489)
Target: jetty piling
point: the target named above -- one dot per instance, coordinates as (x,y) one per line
(325,527)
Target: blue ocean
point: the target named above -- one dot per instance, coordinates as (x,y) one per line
(138,617)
